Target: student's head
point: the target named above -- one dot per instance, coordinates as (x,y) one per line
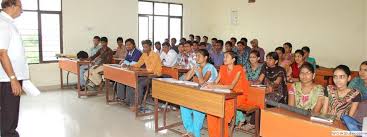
(166,40)
(363,70)
(166,47)
(195,46)
(157,45)
(96,40)
(307,73)
(182,40)
(254,43)
(191,37)
(197,38)
(280,51)
(272,59)
(214,40)
(187,47)
(299,56)
(202,56)
(147,46)
(130,44)
(254,57)
(230,58)
(104,41)
(287,47)
(244,40)
(202,45)
(306,51)
(120,41)
(218,46)
(181,48)
(341,76)
(173,41)
(228,46)
(233,40)
(205,39)
(12,7)
(240,46)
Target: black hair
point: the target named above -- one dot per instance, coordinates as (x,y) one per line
(220,42)
(244,40)
(205,37)
(120,39)
(97,37)
(205,52)
(241,42)
(233,55)
(146,42)
(233,38)
(229,43)
(173,39)
(257,53)
(130,40)
(82,55)
(299,52)
(188,42)
(343,68)
(305,48)
(281,49)
(273,55)
(195,42)
(191,35)
(288,44)
(8,3)
(183,39)
(104,39)
(215,39)
(166,44)
(364,63)
(308,66)
(157,43)
(202,43)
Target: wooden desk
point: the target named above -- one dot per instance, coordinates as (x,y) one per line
(124,76)
(174,72)
(277,122)
(191,97)
(72,66)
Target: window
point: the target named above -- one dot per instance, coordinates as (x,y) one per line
(159,20)
(40,28)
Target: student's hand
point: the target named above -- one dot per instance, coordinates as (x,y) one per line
(124,66)
(16,87)
(268,89)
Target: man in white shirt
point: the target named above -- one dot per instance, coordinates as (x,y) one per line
(168,55)
(13,69)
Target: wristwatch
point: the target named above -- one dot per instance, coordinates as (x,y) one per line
(12,77)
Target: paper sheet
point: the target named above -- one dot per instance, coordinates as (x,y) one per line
(219,90)
(30,89)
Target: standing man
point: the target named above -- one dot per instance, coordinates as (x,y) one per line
(13,69)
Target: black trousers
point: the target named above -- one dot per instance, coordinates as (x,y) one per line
(9,106)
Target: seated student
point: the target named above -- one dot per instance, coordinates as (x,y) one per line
(202,45)
(360,83)
(194,46)
(158,47)
(339,99)
(121,49)
(299,60)
(274,77)
(306,51)
(105,57)
(213,41)
(244,40)
(132,57)
(233,40)
(96,45)
(182,40)
(197,39)
(306,94)
(153,64)
(186,59)
(243,53)
(284,63)
(231,76)
(228,46)
(208,45)
(288,52)
(253,68)
(255,46)
(173,42)
(168,55)
(217,54)
(205,72)
(191,37)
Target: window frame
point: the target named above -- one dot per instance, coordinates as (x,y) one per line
(168,16)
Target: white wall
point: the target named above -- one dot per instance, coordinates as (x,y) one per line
(334,29)
(84,19)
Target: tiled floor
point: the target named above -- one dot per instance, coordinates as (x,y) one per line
(63,114)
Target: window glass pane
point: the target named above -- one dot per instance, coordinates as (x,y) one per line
(29,4)
(27,25)
(175,28)
(145,7)
(160,28)
(175,10)
(160,9)
(50,36)
(50,5)
(143,30)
